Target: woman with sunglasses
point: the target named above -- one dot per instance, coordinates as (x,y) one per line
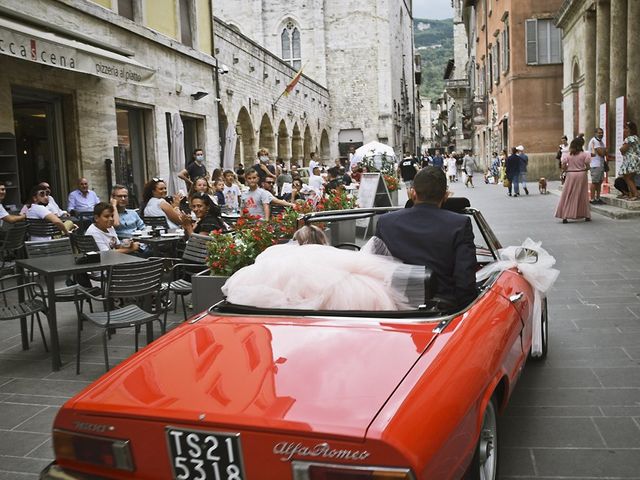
(37,203)
(207,215)
(155,205)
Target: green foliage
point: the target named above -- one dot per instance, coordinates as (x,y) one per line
(434,60)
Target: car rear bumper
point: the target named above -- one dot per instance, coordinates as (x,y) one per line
(55,472)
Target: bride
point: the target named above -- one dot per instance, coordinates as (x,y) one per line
(311,275)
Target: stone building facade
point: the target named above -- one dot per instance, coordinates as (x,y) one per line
(83,82)
(361,51)
(290,127)
(600,44)
(515,68)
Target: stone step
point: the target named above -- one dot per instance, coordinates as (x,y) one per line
(613,211)
(611,199)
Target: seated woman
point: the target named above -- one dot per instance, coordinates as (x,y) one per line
(37,209)
(207,215)
(153,196)
(105,235)
(334,279)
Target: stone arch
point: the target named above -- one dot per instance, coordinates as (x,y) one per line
(325,149)
(308,144)
(575,80)
(284,151)
(267,139)
(297,153)
(223,122)
(246,142)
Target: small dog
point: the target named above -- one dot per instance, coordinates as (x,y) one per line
(542,186)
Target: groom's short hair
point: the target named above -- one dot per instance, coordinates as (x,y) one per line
(430,185)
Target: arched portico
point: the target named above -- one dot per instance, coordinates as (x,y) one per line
(308,147)
(284,152)
(296,147)
(246,143)
(325,149)
(267,139)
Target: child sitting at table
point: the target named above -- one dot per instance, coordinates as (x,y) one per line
(105,235)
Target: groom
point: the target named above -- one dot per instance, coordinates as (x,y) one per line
(439,239)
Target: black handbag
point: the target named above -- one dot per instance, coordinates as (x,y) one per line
(606,167)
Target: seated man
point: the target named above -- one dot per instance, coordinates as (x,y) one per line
(428,235)
(82,200)
(125,221)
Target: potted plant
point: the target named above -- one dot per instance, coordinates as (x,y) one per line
(392,186)
(339,199)
(228,252)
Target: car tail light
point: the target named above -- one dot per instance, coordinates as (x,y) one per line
(321,471)
(102,451)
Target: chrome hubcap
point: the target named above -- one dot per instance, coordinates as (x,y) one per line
(488,443)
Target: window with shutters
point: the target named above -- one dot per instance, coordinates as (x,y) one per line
(505,46)
(496,63)
(490,69)
(290,40)
(544,42)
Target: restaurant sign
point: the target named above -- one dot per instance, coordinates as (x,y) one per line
(27,43)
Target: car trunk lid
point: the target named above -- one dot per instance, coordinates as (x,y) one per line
(310,374)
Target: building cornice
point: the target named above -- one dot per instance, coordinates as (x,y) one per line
(569,10)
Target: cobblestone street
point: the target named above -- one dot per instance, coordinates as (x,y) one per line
(575,416)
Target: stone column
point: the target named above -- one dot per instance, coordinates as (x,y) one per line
(590,111)
(618,67)
(633,65)
(602,54)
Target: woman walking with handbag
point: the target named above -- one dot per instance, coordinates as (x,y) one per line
(574,201)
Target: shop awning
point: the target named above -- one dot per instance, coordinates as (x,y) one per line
(34,45)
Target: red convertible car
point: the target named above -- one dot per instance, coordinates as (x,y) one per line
(246,393)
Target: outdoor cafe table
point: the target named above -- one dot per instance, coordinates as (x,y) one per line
(60,266)
(157,244)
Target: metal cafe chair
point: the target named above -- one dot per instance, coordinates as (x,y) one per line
(155,222)
(30,307)
(84,220)
(41,228)
(10,247)
(49,248)
(134,282)
(192,261)
(84,243)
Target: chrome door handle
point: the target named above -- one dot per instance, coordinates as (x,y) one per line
(516,297)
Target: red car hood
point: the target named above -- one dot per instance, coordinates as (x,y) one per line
(329,376)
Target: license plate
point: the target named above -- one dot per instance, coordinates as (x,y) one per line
(204,455)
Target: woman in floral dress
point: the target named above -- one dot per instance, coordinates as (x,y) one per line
(631,158)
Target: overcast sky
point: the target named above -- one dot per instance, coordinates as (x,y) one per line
(434,9)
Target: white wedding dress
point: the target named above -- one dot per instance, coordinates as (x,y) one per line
(319,277)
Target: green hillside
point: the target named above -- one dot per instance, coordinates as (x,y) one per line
(438,40)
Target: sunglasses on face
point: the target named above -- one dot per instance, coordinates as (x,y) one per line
(122,196)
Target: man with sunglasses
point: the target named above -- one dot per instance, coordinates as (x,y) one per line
(38,202)
(82,200)
(125,220)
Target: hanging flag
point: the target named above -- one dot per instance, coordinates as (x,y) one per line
(289,88)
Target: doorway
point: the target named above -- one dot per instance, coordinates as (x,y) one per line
(39,134)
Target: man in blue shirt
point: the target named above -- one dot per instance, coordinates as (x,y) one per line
(437,160)
(82,200)
(125,221)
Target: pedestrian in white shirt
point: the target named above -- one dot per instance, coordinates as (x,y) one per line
(315,180)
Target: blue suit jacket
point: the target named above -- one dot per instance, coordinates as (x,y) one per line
(439,239)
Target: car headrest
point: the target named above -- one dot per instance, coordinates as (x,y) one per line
(453,204)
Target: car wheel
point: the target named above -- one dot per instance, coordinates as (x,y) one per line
(484,465)
(544,325)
